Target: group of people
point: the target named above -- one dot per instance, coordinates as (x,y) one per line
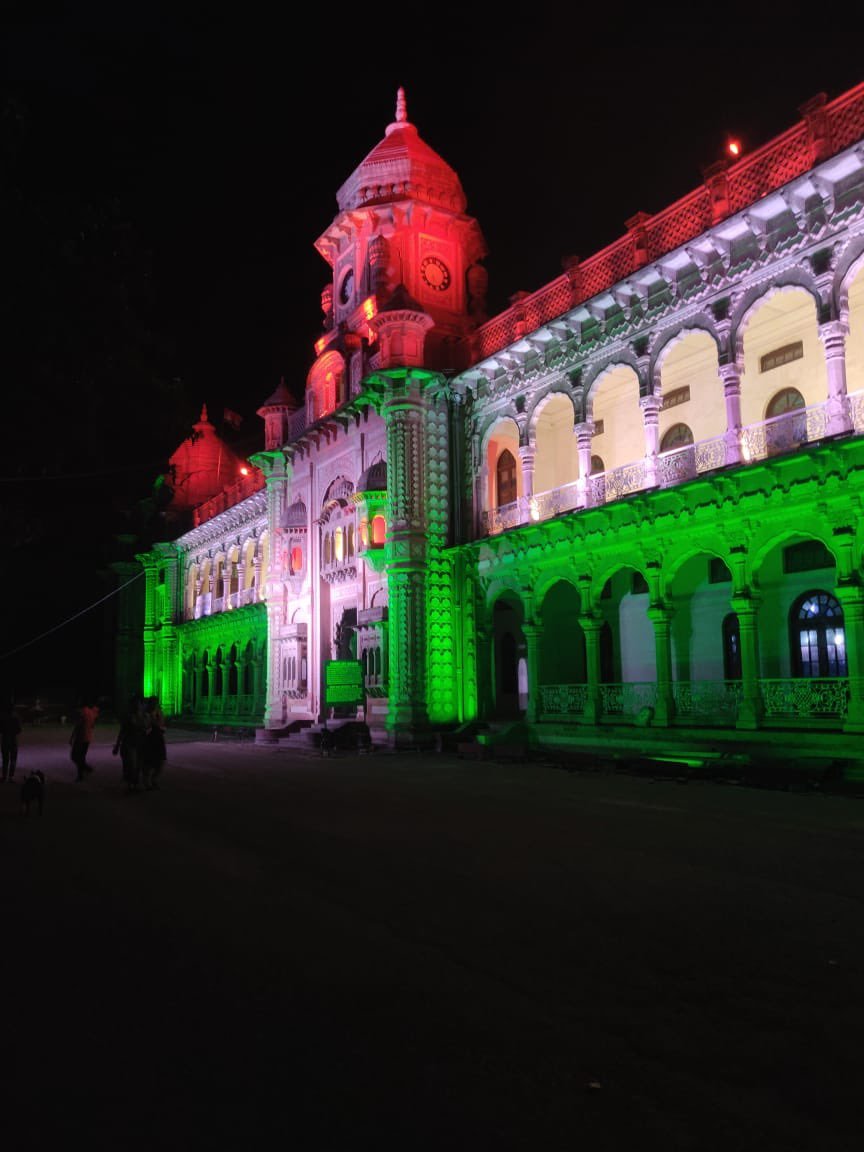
(141,743)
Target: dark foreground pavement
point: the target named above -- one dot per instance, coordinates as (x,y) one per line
(276,951)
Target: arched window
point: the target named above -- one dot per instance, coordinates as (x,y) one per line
(678,436)
(328,551)
(788,400)
(505,476)
(731,647)
(296,561)
(597,465)
(379,531)
(789,427)
(338,546)
(818,637)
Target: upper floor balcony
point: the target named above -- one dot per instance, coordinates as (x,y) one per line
(765,439)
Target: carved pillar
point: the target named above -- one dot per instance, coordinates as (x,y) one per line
(833,337)
(592,626)
(485,672)
(151,624)
(531,632)
(751,708)
(851,596)
(527,456)
(650,406)
(404,412)
(583,433)
(661,618)
(731,378)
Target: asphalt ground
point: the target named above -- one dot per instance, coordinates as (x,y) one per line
(280,951)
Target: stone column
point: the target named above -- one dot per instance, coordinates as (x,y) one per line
(751,709)
(650,406)
(833,337)
(731,377)
(404,412)
(531,632)
(527,456)
(851,596)
(583,433)
(485,673)
(661,618)
(592,627)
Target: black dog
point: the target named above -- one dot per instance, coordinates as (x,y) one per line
(33,792)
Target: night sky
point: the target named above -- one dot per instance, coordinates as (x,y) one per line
(164,180)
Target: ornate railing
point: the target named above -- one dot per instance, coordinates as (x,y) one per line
(757,442)
(682,464)
(564,499)
(784,433)
(805,697)
(701,700)
(622,481)
(500,519)
(628,699)
(856,410)
(563,699)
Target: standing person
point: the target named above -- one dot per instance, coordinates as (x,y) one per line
(10,730)
(154,755)
(130,742)
(82,736)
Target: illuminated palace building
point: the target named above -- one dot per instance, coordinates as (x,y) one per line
(633,499)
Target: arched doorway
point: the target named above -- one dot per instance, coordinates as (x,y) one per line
(508,652)
(561,670)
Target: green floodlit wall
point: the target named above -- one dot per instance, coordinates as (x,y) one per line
(245,631)
(442,634)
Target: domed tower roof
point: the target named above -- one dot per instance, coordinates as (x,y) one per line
(402,167)
(281,398)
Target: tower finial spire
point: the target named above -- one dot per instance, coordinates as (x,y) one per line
(401,107)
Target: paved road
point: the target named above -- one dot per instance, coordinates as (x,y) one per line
(278,951)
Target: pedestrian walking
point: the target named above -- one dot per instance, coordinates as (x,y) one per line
(130,742)
(10,730)
(153,753)
(82,736)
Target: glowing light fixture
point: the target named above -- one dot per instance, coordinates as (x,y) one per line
(733,147)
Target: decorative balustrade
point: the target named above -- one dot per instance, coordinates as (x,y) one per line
(706,700)
(758,441)
(628,699)
(784,433)
(622,481)
(856,410)
(703,703)
(805,697)
(563,699)
(564,499)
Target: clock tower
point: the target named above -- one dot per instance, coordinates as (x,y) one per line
(402,233)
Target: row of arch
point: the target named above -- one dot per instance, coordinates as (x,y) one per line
(232,577)
(228,671)
(782,366)
(794,628)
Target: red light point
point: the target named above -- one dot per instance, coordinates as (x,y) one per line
(733,147)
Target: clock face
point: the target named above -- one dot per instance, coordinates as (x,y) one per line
(346,288)
(435,273)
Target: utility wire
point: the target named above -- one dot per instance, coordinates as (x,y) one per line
(63,623)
